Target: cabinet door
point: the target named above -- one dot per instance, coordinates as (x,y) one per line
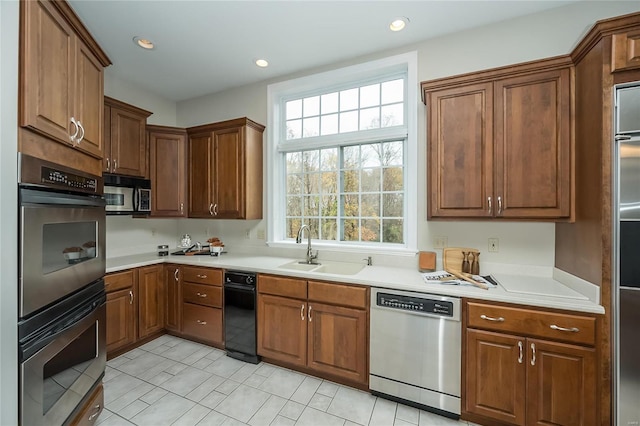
(533,145)
(121,319)
(460,181)
(495,376)
(128,143)
(151,302)
(338,341)
(47,88)
(106,139)
(200,178)
(282,329)
(625,51)
(167,159)
(561,381)
(228,173)
(89,103)
(174,298)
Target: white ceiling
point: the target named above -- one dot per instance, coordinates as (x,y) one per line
(204,47)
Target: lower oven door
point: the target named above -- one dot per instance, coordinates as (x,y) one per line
(55,379)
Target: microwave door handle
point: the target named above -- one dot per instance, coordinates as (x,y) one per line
(136,198)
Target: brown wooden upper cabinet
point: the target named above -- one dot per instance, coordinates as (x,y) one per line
(167,161)
(125,140)
(61,82)
(625,51)
(500,142)
(225,170)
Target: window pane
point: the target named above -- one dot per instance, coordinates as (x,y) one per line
(370,95)
(329,205)
(370,179)
(392,231)
(393,91)
(329,159)
(351,157)
(348,121)
(329,124)
(311,106)
(393,154)
(311,183)
(329,103)
(329,229)
(350,181)
(392,179)
(350,230)
(350,205)
(313,227)
(294,206)
(294,162)
(294,129)
(392,205)
(371,155)
(371,205)
(311,205)
(294,109)
(330,183)
(370,230)
(392,115)
(293,224)
(311,161)
(294,184)
(348,99)
(369,118)
(311,127)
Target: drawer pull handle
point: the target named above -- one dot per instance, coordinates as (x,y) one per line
(94,415)
(520,356)
(203,295)
(572,329)
(484,317)
(201,276)
(533,354)
(201,322)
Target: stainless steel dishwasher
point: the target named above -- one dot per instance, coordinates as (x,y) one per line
(415,349)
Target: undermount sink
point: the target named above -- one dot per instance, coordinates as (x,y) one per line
(325,267)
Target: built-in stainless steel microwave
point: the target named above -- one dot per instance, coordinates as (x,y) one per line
(126,195)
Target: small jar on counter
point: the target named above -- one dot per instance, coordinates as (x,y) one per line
(163,250)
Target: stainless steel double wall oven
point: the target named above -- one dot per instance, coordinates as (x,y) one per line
(62,315)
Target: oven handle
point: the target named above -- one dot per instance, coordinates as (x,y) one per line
(53,198)
(240,287)
(40,340)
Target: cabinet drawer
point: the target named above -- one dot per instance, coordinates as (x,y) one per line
(202,275)
(202,322)
(280,286)
(551,325)
(91,409)
(338,294)
(119,280)
(201,294)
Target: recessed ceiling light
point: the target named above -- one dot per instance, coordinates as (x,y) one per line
(145,43)
(398,24)
(262,63)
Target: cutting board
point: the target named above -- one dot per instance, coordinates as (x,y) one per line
(452,257)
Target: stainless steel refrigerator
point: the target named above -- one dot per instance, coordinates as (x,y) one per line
(627,255)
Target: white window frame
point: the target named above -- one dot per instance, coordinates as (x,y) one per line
(352,75)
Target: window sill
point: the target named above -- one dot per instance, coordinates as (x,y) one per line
(335,248)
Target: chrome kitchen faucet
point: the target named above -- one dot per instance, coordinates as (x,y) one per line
(310,256)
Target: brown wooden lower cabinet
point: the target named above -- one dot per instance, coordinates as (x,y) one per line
(90,411)
(526,381)
(202,322)
(316,333)
(121,310)
(201,290)
(151,304)
(173,298)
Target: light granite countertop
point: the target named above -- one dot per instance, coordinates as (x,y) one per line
(530,290)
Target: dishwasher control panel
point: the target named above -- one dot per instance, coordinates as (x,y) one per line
(415,304)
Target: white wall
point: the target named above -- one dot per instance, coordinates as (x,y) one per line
(164,110)
(126,235)
(536,36)
(9,12)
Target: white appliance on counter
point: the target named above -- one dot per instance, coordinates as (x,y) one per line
(415,349)
(627,255)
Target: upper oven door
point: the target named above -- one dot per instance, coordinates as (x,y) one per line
(62,246)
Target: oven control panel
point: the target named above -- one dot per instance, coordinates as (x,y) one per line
(67,180)
(415,304)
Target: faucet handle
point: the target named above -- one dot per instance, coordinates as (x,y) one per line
(369,260)
(313,256)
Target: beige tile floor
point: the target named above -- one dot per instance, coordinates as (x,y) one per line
(172,381)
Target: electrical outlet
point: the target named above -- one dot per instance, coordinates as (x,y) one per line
(440,242)
(260,234)
(494,245)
